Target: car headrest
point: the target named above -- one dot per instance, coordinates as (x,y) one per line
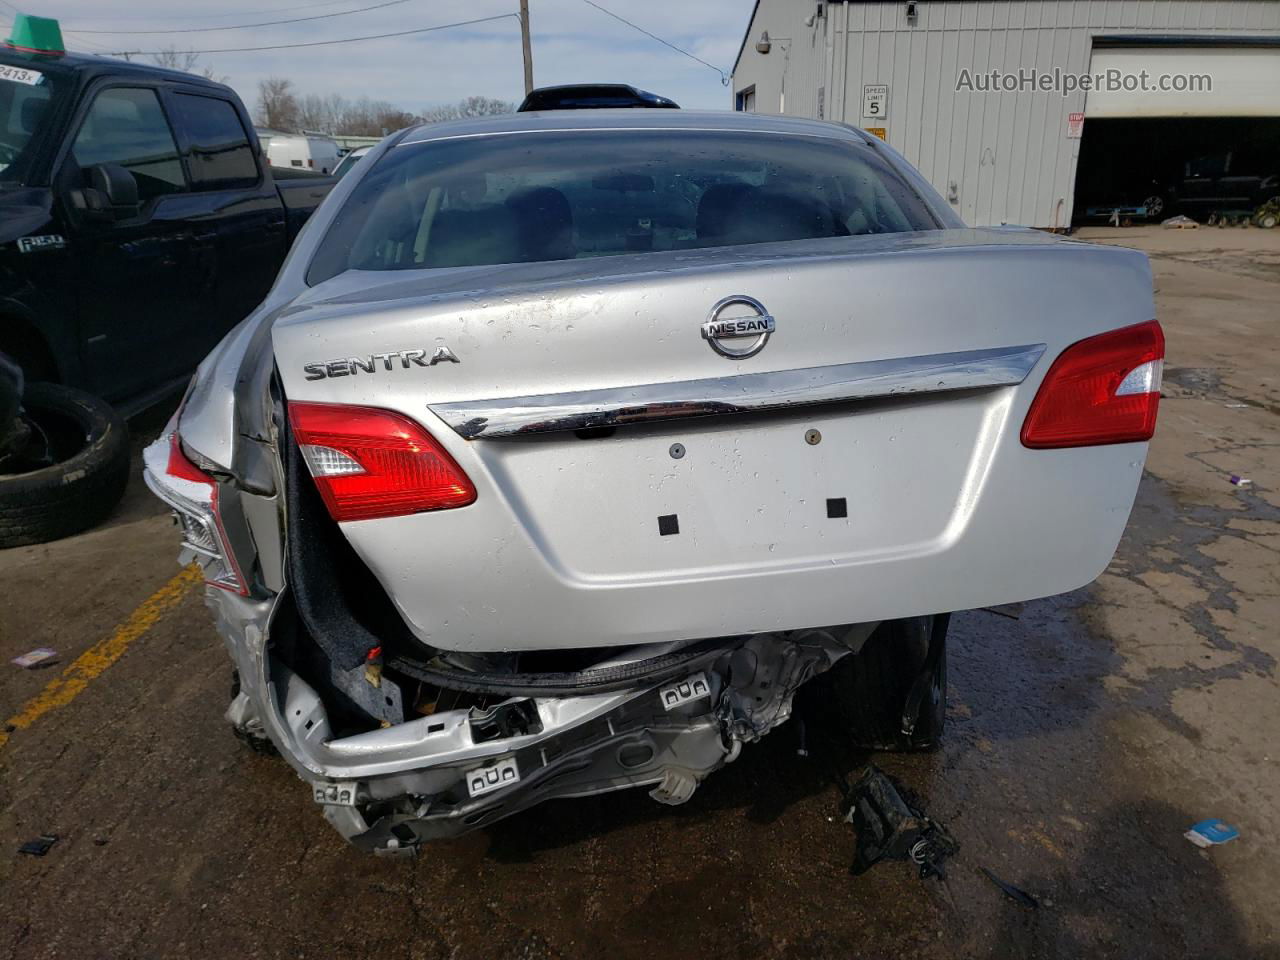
(33,109)
(714,208)
(544,224)
(766,216)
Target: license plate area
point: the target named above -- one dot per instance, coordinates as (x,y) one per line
(731,495)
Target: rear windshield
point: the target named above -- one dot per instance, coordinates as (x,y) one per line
(559,196)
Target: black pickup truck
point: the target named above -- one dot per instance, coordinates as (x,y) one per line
(139,223)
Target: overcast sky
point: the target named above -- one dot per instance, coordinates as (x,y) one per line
(572,42)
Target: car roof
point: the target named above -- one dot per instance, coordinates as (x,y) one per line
(558,120)
(569,120)
(89,65)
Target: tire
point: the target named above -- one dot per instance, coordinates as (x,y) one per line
(1154,205)
(85,482)
(869,691)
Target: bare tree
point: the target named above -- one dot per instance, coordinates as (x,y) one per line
(470,107)
(316,113)
(281,108)
(174,59)
(210,74)
(185,60)
(277,105)
(334,114)
(389,119)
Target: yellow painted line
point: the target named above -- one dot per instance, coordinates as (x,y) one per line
(90,664)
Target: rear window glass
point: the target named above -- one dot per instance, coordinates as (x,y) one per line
(220,156)
(555,196)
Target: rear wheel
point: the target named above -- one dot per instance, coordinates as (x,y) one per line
(64,466)
(892,694)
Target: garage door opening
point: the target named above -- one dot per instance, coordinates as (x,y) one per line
(1198,166)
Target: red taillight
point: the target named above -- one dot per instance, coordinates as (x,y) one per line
(371,463)
(180,464)
(201,519)
(1105,389)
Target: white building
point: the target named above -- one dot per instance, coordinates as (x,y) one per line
(1015,156)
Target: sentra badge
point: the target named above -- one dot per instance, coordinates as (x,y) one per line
(376,362)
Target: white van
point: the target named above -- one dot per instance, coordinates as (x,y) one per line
(309,152)
(324,153)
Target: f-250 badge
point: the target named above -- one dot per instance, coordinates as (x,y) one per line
(50,241)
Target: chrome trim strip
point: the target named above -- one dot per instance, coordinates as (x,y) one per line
(743,393)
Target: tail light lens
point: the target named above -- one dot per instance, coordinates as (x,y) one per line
(370,463)
(193,494)
(1105,389)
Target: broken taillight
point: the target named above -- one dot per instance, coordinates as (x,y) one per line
(202,531)
(1105,389)
(193,494)
(368,462)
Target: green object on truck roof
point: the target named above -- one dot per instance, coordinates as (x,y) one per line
(36,34)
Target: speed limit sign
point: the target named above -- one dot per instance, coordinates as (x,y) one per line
(875,101)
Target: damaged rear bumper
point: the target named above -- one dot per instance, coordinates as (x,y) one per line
(443,774)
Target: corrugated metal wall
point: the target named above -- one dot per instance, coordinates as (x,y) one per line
(1007,154)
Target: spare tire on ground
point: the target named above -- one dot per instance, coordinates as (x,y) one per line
(64,468)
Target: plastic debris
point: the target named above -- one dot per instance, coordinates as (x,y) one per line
(1236,406)
(1180,222)
(1209,833)
(37,657)
(39,846)
(1011,610)
(890,828)
(1020,897)
(1240,481)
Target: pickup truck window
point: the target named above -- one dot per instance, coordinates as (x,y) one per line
(221,157)
(559,196)
(126,125)
(26,100)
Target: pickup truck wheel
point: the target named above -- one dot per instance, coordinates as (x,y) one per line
(900,670)
(64,468)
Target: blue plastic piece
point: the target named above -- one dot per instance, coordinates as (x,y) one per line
(1210,832)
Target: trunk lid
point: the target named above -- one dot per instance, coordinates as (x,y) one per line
(865,463)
